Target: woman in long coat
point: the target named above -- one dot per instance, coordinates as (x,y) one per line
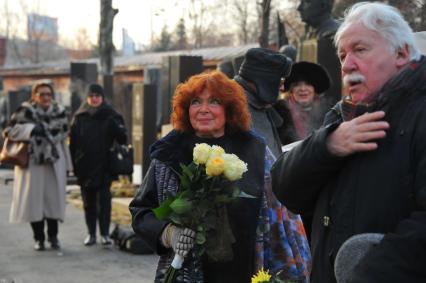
(39,189)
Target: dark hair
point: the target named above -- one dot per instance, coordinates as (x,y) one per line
(229,92)
(96,88)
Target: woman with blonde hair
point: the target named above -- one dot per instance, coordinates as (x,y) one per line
(39,189)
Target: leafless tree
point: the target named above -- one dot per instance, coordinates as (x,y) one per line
(414,11)
(106,46)
(265,10)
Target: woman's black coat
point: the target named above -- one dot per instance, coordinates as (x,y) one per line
(92,135)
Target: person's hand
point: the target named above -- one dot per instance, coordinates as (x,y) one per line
(358,135)
(38,130)
(181,240)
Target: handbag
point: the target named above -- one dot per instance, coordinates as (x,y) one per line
(14,153)
(121,159)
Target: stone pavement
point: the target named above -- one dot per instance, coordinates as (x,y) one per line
(19,263)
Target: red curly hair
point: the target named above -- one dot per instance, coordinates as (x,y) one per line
(227,91)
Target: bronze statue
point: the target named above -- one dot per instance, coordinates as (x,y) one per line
(317,44)
(317,16)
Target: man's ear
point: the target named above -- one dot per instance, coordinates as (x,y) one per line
(403,56)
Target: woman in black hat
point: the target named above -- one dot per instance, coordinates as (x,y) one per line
(301,108)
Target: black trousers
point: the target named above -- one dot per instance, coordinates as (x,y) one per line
(97,207)
(38,229)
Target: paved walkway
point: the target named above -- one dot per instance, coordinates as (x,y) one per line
(19,263)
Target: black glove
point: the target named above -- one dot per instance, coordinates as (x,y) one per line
(38,130)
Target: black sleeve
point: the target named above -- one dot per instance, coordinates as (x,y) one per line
(118,128)
(401,255)
(73,138)
(300,174)
(144,222)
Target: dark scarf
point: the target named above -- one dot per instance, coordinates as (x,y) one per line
(54,122)
(410,79)
(176,148)
(92,111)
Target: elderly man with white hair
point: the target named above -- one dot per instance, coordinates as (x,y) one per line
(364,170)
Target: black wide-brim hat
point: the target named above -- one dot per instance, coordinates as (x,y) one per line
(311,73)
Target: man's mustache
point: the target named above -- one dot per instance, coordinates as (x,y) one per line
(353,78)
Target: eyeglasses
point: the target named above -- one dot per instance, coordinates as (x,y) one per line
(44,94)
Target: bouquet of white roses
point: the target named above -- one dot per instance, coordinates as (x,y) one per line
(206,185)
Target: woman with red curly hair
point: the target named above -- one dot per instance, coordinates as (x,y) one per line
(208,108)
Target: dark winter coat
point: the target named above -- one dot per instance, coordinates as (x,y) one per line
(92,135)
(243,213)
(264,119)
(365,192)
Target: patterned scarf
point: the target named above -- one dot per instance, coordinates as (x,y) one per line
(54,122)
(281,246)
(303,116)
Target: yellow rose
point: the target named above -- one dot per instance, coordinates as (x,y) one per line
(234,167)
(201,153)
(215,166)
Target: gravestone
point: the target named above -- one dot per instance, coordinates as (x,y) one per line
(143,127)
(175,70)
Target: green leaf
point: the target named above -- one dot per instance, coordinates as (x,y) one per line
(164,210)
(187,171)
(181,205)
(185,183)
(223,199)
(200,238)
(176,219)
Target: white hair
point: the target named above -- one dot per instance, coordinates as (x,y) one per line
(383,19)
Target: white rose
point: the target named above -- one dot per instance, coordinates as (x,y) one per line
(201,153)
(216,151)
(234,167)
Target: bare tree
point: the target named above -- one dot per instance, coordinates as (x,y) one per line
(265,10)
(180,31)
(413,11)
(196,13)
(292,21)
(242,17)
(106,46)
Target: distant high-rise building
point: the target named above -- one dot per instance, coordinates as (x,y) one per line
(42,28)
(128,44)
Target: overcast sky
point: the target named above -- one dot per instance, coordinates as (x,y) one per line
(134,15)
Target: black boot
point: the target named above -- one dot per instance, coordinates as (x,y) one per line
(39,246)
(54,243)
(90,240)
